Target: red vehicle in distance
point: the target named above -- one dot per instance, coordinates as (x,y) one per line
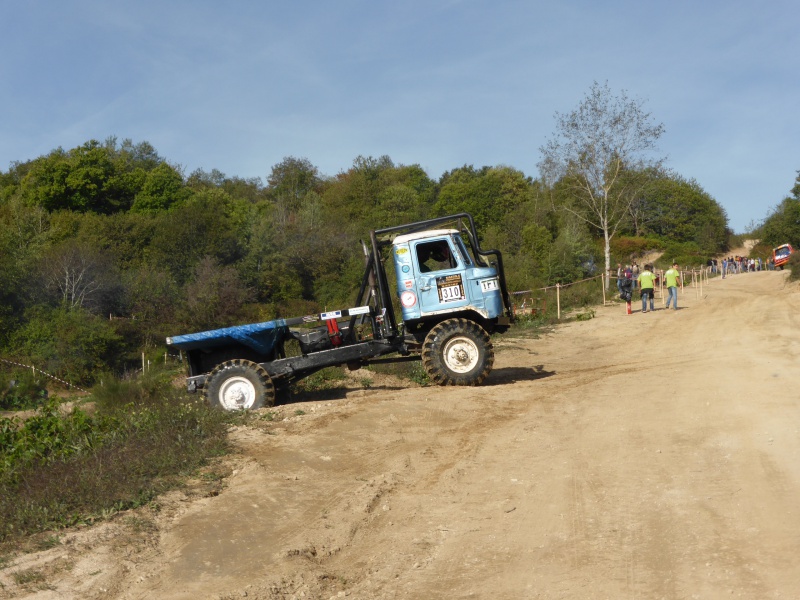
(781,254)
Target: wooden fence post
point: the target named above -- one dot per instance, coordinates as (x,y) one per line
(558,301)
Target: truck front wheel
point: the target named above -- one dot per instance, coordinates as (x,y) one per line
(239,385)
(457,352)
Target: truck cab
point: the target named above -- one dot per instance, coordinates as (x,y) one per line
(437,275)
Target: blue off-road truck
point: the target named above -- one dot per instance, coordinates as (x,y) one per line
(452,295)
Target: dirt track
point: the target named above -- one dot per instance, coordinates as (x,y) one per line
(645,456)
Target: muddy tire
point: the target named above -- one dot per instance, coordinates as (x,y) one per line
(239,385)
(457,352)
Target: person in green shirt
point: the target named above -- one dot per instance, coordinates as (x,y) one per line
(647,283)
(672,277)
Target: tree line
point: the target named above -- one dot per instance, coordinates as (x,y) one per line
(782,224)
(107,248)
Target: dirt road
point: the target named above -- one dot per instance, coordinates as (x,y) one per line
(626,457)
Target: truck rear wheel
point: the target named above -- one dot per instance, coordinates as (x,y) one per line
(239,385)
(457,352)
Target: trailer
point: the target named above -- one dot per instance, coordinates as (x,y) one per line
(450,292)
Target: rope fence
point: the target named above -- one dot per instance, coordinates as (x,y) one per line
(146,366)
(534,304)
(147,363)
(46,374)
(524,309)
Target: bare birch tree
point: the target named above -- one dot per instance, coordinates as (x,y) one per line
(77,276)
(596,152)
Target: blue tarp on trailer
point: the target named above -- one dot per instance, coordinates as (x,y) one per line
(261,337)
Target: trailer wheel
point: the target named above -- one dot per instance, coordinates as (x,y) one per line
(457,352)
(239,385)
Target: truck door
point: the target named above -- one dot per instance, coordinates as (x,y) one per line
(440,277)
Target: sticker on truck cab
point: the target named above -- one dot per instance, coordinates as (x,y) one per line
(408,299)
(451,288)
(490,285)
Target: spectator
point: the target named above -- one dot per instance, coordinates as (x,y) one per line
(647,281)
(672,277)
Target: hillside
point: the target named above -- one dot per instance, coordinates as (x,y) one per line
(628,456)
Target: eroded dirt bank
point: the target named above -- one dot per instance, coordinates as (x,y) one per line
(645,456)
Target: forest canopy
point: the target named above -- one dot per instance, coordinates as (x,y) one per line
(108,247)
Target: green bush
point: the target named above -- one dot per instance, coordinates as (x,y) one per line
(794,266)
(68,343)
(585,293)
(630,247)
(46,437)
(60,468)
(687,255)
(530,321)
(151,389)
(325,379)
(21,390)
(411,370)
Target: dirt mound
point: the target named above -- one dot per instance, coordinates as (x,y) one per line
(650,258)
(744,250)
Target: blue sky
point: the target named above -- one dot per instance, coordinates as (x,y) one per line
(239,85)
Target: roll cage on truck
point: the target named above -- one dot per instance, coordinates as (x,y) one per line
(451,297)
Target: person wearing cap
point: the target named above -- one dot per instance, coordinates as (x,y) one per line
(647,284)
(672,276)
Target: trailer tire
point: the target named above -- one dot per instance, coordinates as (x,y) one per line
(457,352)
(239,385)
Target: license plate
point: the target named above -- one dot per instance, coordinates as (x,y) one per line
(451,293)
(489,285)
(451,288)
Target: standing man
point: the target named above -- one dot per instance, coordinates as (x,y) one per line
(671,277)
(620,275)
(647,283)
